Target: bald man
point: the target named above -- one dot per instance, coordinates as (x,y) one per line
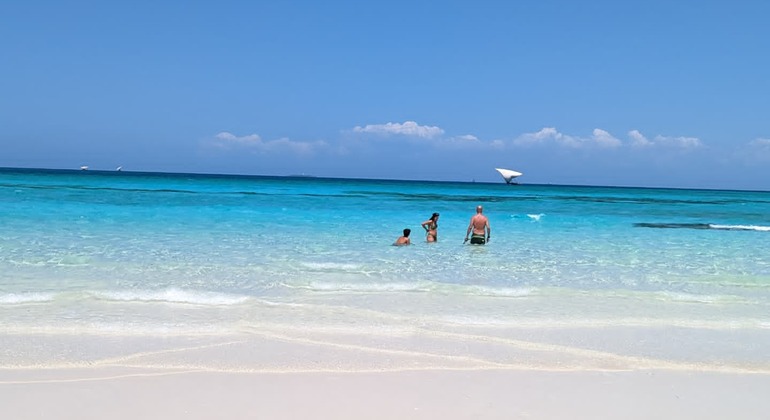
(479,225)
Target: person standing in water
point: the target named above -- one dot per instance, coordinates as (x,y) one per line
(431,228)
(479,226)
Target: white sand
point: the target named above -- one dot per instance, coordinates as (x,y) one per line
(123,393)
(377,372)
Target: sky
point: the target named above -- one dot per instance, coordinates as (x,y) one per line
(628,93)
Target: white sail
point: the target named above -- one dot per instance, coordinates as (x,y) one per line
(508,175)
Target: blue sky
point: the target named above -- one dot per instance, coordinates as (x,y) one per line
(642,93)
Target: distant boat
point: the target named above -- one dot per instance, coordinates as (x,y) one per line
(84,168)
(509,175)
(119,168)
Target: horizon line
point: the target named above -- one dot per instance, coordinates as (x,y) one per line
(124,171)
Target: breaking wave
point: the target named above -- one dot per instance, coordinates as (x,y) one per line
(711,226)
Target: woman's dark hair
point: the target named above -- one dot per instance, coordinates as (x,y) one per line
(435,215)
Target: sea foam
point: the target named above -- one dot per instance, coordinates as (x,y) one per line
(21,298)
(741,227)
(173,296)
(331,266)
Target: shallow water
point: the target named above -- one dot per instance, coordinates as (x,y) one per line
(608,274)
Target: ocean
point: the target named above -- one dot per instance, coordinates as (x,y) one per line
(250,273)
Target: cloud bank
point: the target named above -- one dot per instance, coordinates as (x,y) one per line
(599,139)
(603,139)
(254,142)
(408,128)
(639,140)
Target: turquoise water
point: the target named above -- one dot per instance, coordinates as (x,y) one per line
(112,255)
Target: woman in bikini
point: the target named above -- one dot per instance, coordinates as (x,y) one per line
(431,228)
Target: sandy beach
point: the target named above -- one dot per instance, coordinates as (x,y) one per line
(120,393)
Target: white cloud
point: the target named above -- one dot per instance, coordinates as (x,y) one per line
(226,140)
(428,135)
(299,147)
(467,140)
(679,142)
(464,140)
(599,137)
(544,135)
(639,140)
(605,139)
(433,136)
(468,137)
(408,128)
(760,143)
(497,144)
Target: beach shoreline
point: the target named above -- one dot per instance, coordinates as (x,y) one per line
(126,393)
(166,297)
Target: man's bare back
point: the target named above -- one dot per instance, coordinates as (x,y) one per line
(479,225)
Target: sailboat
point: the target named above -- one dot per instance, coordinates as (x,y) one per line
(508,175)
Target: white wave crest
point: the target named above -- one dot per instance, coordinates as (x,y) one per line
(360,287)
(693,298)
(331,266)
(741,227)
(535,217)
(20,298)
(173,296)
(500,291)
(415,287)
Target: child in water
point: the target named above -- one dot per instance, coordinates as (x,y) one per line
(404,240)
